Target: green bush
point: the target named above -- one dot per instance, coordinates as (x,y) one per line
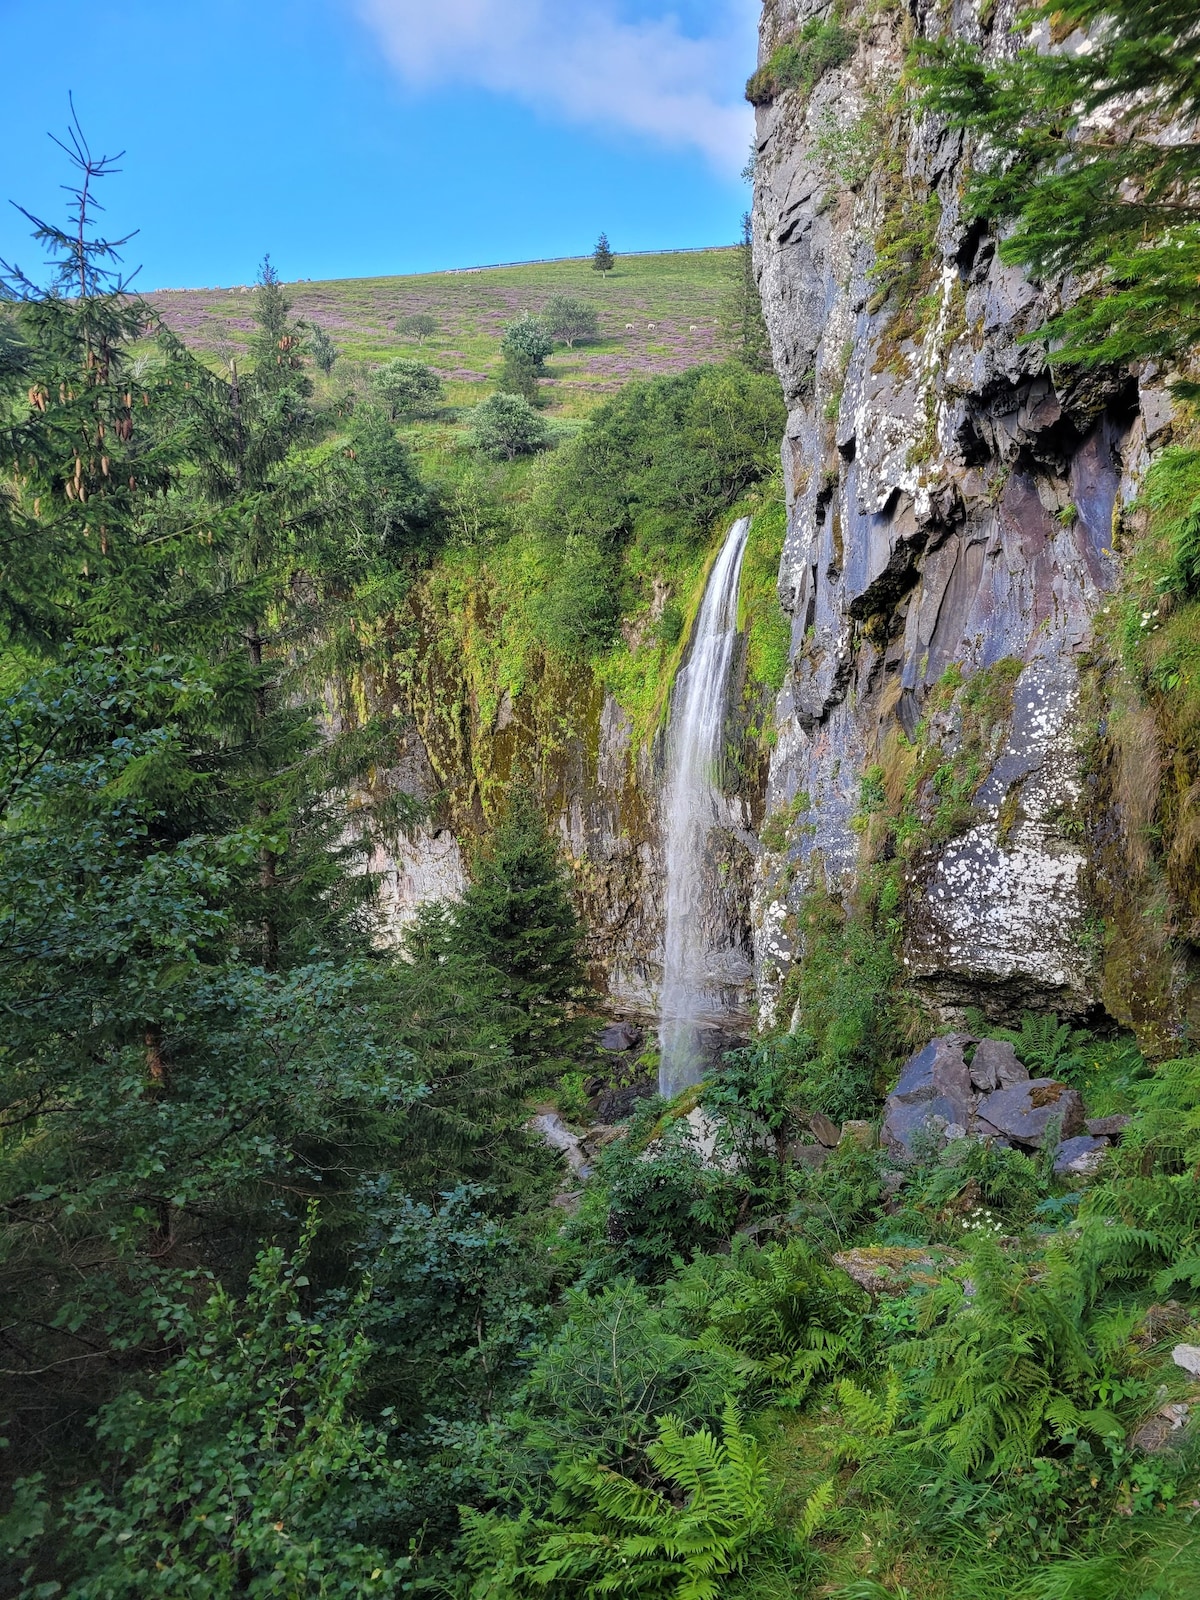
(665,457)
(407,388)
(801,62)
(579,609)
(506,426)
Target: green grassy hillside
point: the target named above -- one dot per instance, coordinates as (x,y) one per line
(658,315)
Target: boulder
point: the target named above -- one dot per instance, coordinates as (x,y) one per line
(889,1269)
(995,1066)
(619,1036)
(1079,1156)
(859,1133)
(1023,1112)
(904,1122)
(1156,1434)
(936,1069)
(809,1155)
(1107,1127)
(825,1129)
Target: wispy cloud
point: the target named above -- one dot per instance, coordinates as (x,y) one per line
(583,61)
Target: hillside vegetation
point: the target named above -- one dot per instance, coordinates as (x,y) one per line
(292,1302)
(680,294)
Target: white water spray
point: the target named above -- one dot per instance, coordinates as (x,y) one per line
(696,965)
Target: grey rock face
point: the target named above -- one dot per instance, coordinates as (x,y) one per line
(1025,1111)
(995,1066)
(951,504)
(1080,1156)
(934,1118)
(620,1036)
(1107,1127)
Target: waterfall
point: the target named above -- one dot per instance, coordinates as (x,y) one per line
(696,960)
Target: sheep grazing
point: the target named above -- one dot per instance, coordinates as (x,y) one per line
(692,328)
(629,327)
(650,327)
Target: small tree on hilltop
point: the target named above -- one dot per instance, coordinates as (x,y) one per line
(324,351)
(603,259)
(406,388)
(569,319)
(420,326)
(507,426)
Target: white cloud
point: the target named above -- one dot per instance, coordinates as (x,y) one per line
(580,59)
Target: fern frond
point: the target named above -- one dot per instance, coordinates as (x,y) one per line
(816,1508)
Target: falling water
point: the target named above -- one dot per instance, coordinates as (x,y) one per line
(696,965)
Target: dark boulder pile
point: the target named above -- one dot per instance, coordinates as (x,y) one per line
(941,1096)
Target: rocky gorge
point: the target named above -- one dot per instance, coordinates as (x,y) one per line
(958,520)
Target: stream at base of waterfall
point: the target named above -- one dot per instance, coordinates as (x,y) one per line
(700,961)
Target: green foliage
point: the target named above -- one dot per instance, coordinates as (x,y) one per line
(663,1201)
(579,609)
(506,426)
(517,915)
(530,337)
(842,994)
(700,1536)
(1071,153)
(603,259)
(741,316)
(668,456)
(406,388)
(399,505)
(1005,1372)
(620,1360)
(324,351)
(241,1467)
(420,326)
(782,1319)
(570,320)
(800,62)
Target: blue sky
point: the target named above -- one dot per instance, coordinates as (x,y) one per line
(357,137)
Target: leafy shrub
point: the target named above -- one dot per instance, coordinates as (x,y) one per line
(242,1466)
(420,326)
(619,1361)
(666,457)
(786,1319)
(324,351)
(529,337)
(799,63)
(697,1537)
(1014,1366)
(579,608)
(664,1200)
(406,388)
(506,426)
(393,500)
(572,321)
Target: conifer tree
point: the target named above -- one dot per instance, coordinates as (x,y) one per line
(741,308)
(517,913)
(603,259)
(1086,153)
(324,351)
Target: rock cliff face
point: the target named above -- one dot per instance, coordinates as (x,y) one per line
(603,794)
(954,520)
